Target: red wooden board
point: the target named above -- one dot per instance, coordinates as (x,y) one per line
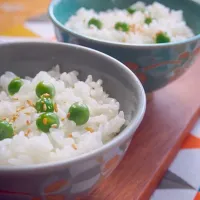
(170,115)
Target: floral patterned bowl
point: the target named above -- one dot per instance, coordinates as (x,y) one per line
(155,65)
(76,177)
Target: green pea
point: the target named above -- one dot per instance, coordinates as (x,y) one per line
(162,37)
(14,86)
(79,113)
(148,20)
(95,22)
(46,121)
(6,130)
(44,105)
(131,10)
(121,26)
(46,89)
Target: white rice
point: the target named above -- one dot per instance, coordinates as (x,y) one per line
(164,20)
(38,147)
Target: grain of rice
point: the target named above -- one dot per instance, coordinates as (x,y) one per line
(54,125)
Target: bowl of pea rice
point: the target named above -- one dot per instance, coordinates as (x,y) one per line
(157,40)
(65,123)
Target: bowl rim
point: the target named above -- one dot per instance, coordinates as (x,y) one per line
(115,44)
(124,135)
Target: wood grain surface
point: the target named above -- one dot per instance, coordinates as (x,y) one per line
(169,117)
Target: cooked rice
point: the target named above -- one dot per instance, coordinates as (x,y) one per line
(164,20)
(30,145)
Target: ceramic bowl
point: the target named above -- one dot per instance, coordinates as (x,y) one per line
(156,64)
(76,177)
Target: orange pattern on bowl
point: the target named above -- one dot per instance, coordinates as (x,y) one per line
(56,186)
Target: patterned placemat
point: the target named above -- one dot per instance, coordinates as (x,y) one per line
(182,180)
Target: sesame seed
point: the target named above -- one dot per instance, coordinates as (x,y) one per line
(68,115)
(74,146)
(55,107)
(91,130)
(132,27)
(27,132)
(45,121)
(70,135)
(30,103)
(15,117)
(46,95)
(124,40)
(20,108)
(15,98)
(27,113)
(62,119)
(28,122)
(44,107)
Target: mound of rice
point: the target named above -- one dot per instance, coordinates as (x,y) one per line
(163,20)
(30,145)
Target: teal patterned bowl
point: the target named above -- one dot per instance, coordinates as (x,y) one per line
(155,64)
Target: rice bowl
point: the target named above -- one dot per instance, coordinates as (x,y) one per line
(74,176)
(140,24)
(29,145)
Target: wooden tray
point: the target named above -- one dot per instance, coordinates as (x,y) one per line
(169,117)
